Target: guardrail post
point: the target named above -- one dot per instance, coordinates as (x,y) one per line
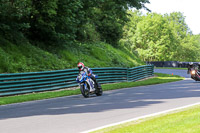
(152,67)
(127,74)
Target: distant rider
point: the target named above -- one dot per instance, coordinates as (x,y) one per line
(199,66)
(88,71)
(190,67)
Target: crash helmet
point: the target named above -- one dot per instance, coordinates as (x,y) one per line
(80,66)
(198,64)
(191,63)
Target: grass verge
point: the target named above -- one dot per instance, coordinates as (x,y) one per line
(159,78)
(182,121)
(171,68)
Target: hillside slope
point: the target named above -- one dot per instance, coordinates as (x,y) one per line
(25,57)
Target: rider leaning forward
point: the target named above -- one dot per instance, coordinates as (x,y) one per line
(82,67)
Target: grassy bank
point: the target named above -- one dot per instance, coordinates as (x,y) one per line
(26,57)
(182,121)
(160,78)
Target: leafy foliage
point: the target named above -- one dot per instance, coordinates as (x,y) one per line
(12,14)
(157,37)
(58,22)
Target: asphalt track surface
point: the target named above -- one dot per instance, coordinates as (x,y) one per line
(76,114)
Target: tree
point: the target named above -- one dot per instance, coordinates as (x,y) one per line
(69,16)
(187,43)
(158,37)
(12,14)
(42,20)
(129,29)
(110,16)
(58,21)
(153,38)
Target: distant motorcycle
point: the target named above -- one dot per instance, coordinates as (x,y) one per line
(88,86)
(195,74)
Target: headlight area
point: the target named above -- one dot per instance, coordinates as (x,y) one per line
(193,72)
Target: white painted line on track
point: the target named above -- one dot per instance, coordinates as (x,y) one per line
(142,117)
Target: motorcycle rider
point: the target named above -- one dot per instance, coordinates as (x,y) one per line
(190,67)
(82,67)
(199,66)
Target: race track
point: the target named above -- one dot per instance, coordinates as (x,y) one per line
(75,114)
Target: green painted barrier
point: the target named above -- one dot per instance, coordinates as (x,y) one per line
(21,83)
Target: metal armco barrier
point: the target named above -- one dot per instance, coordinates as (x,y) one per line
(21,83)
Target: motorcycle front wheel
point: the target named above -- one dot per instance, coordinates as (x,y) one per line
(85,90)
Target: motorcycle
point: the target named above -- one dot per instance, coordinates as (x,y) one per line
(88,86)
(195,74)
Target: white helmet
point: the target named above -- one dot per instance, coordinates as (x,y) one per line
(80,66)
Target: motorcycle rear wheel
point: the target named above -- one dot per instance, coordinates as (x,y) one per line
(99,90)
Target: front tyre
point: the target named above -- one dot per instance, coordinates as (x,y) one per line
(85,90)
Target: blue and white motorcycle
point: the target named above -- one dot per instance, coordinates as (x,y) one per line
(88,86)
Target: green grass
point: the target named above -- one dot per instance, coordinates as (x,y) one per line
(182,121)
(26,57)
(171,68)
(160,78)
